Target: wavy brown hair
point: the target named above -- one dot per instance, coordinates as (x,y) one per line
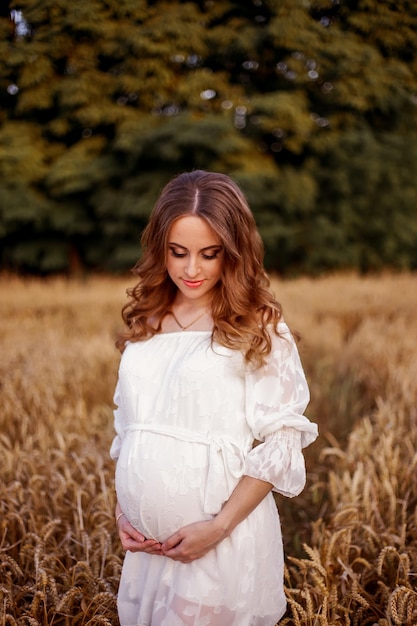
(242,305)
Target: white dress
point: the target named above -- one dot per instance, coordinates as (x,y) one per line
(188,414)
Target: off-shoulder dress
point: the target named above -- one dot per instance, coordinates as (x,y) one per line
(188,413)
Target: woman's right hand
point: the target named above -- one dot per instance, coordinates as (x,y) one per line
(133,540)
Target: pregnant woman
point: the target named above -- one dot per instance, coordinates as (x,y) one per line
(208,368)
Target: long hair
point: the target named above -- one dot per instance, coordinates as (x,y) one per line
(242,306)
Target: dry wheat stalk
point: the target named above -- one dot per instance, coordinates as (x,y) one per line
(359,521)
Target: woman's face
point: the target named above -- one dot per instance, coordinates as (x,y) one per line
(194,258)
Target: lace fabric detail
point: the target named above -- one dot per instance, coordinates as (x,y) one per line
(277,394)
(289,436)
(279,461)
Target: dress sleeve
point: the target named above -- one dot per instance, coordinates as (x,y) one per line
(276,397)
(118,424)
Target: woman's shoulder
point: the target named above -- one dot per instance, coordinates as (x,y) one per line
(278,328)
(282,326)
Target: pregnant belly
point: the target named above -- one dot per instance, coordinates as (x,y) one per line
(160,483)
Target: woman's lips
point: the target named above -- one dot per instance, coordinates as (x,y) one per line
(193,284)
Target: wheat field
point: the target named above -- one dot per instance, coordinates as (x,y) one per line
(350,538)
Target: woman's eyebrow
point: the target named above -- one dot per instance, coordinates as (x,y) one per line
(213,247)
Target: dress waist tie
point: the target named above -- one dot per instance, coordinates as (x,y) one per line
(226,461)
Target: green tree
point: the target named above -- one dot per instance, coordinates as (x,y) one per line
(310,106)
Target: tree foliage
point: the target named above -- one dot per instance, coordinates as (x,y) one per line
(310,106)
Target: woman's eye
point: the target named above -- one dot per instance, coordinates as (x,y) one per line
(207,257)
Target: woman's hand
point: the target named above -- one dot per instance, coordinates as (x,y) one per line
(133,540)
(193,541)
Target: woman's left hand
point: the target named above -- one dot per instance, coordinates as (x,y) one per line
(193,541)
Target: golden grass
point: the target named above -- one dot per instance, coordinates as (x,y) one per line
(351,537)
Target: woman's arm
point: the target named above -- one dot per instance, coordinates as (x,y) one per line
(249,492)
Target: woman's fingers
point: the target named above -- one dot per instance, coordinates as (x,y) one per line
(135,541)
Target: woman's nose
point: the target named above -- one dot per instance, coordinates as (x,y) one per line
(192,267)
